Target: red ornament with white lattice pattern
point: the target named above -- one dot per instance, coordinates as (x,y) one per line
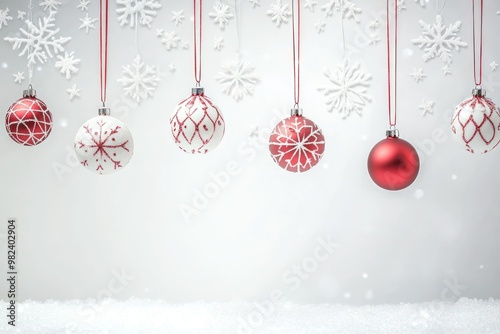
(197,124)
(476,123)
(296,144)
(28,120)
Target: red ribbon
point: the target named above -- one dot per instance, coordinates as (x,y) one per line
(392,116)
(296,53)
(476,81)
(103,48)
(197,48)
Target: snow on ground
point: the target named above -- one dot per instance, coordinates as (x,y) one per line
(150,316)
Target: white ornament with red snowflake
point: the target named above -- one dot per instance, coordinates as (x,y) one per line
(197,125)
(296,144)
(104,145)
(476,123)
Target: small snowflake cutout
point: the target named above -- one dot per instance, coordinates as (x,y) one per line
(87,23)
(49,5)
(320,26)
(493,65)
(238,78)
(4,17)
(169,39)
(255,3)
(446,69)
(18,77)
(418,74)
(401,4)
(347,92)
(310,4)
(421,2)
(178,17)
(139,80)
(21,14)
(143,10)
(219,43)
(83,5)
(438,40)
(427,107)
(221,15)
(73,92)
(279,13)
(172,68)
(347,8)
(67,64)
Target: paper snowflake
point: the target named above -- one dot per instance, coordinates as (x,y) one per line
(238,78)
(219,43)
(43,40)
(172,68)
(87,23)
(320,26)
(145,9)
(21,14)
(401,5)
(83,5)
(18,77)
(279,13)
(67,64)
(446,69)
(50,5)
(421,2)
(73,92)
(221,15)
(438,40)
(139,80)
(427,107)
(169,39)
(348,89)
(418,74)
(4,17)
(310,4)
(178,17)
(493,65)
(347,8)
(255,3)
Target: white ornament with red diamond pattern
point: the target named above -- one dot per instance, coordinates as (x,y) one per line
(476,123)
(104,144)
(197,125)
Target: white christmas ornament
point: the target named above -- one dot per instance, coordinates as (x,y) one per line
(476,123)
(197,124)
(104,144)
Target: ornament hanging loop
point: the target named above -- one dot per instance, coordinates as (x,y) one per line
(296,51)
(477,81)
(392,84)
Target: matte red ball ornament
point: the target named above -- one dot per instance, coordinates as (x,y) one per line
(28,120)
(393,163)
(296,144)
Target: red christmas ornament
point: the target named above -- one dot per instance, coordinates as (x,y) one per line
(393,163)
(28,120)
(296,143)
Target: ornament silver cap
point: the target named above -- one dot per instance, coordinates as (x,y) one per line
(197,91)
(478,91)
(104,111)
(30,92)
(392,132)
(296,111)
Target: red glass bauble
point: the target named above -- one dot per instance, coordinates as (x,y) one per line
(28,121)
(393,163)
(296,144)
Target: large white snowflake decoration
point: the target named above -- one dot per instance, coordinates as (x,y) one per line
(221,15)
(4,17)
(43,40)
(348,8)
(279,13)
(348,89)
(169,39)
(49,5)
(104,145)
(438,40)
(146,10)
(238,78)
(139,80)
(67,64)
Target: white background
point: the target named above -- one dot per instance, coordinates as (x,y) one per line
(77,230)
